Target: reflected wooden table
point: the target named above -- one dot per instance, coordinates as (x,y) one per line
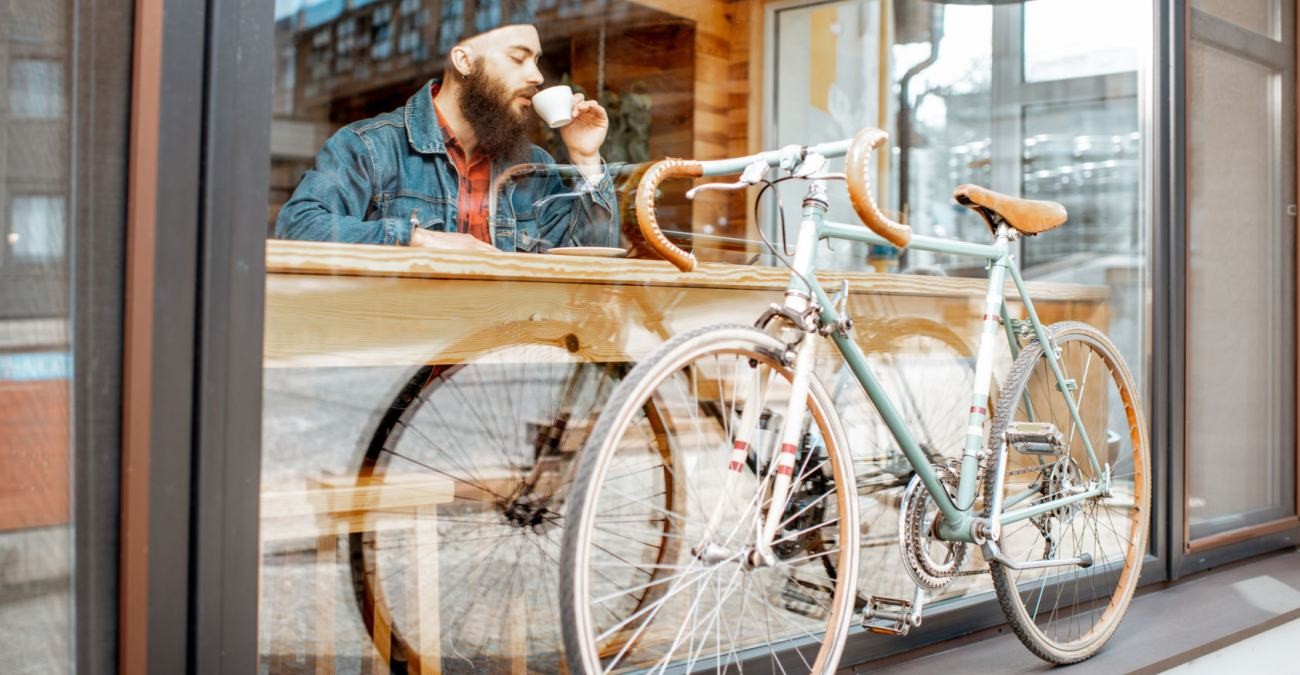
(333,508)
(492,350)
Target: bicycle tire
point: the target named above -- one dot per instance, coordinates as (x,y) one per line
(827,591)
(1076,630)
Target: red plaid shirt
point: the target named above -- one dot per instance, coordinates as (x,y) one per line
(475,184)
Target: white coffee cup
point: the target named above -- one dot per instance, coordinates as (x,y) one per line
(554,105)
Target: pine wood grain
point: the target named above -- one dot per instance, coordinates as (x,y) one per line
(342,305)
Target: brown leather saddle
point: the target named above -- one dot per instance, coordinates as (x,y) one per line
(1027,216)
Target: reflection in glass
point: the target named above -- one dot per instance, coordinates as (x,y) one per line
(445,449)
(1086,156)
(1260,16)
(36,585)
(1065,39)
(36,89)
(37,230)
(465,570)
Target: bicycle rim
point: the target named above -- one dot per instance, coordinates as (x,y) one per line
(1064,614)
(627,607)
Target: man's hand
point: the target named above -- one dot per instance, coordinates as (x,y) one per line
(585,134)
(449,241)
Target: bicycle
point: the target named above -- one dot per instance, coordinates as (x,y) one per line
(768,540)
(502,422)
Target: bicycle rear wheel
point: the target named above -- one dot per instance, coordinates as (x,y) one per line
(627,606)
(502,431)
(1064,614)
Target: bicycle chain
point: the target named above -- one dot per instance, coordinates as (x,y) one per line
(947,475)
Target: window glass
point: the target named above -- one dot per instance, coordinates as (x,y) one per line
(37,620)
(37,230)
(1240,294)
(1065,39)
(1092,169)
(457,377)
(1260,16)
(36,89)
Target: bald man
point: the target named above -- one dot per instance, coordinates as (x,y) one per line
(421,175)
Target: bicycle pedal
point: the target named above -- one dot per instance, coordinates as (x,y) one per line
(1035,438)
(888,616)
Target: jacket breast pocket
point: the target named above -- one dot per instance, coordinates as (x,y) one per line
(432,213)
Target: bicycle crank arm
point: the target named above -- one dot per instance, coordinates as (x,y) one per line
(992,552)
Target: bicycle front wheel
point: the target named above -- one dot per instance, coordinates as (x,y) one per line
(631,604)
(1065,613)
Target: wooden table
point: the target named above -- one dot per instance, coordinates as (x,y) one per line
(349,305)
(363,308)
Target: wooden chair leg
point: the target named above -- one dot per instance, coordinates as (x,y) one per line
(428,628)
(326,557)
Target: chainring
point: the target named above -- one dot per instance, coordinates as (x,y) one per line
(918,520)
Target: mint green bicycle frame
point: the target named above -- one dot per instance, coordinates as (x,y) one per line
(959,523)
(957,517)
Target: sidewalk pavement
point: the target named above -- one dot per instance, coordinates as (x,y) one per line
(1243,617)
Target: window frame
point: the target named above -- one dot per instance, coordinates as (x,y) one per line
(1191,555)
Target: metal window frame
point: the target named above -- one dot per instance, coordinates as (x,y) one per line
(100,61)
(1190,555)
(192,354)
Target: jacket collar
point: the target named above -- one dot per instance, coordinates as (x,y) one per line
(422,129)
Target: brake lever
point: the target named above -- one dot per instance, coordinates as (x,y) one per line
(752,175)
(811,164)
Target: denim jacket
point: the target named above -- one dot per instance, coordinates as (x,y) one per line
(375,178)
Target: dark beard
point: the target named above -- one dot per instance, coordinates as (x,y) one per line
(502,134)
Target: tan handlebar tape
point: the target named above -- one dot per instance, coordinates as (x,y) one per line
(645,207)
(857,168)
